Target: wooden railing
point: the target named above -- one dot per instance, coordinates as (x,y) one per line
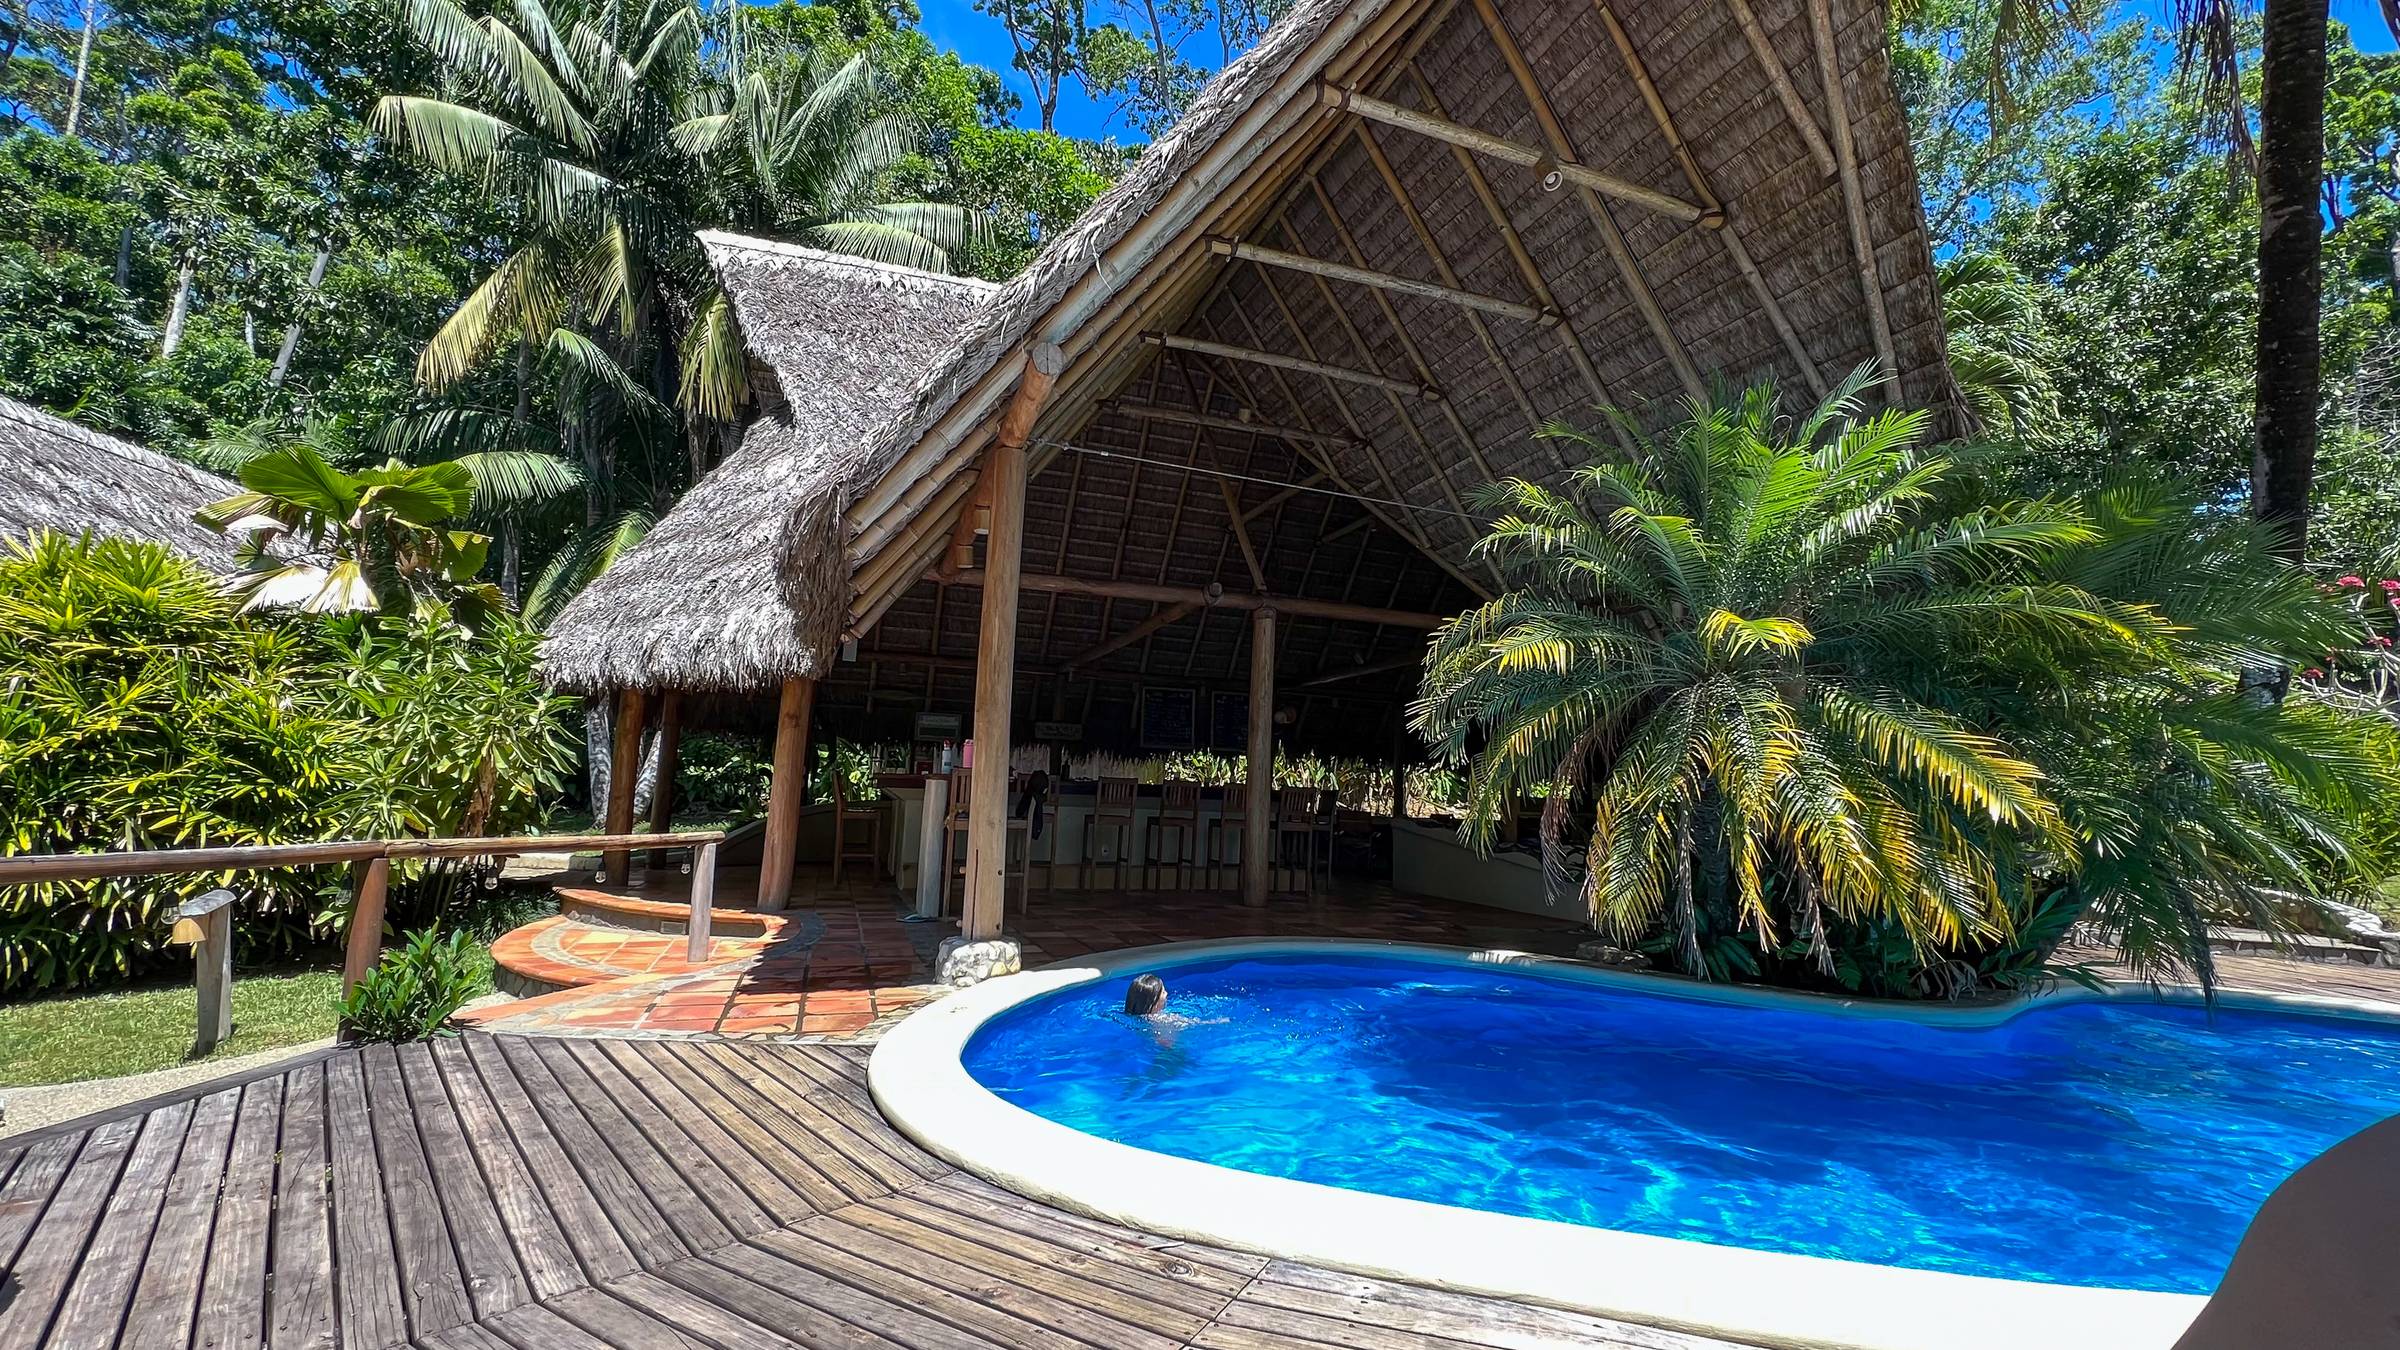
(372,859)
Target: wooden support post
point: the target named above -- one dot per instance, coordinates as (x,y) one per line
(670,759)
(205,923)
(1258,840)
(787,792)
(624,774)
(996,651)
(365,943)
(704,899)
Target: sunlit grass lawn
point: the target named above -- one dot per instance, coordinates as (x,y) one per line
(80,1036)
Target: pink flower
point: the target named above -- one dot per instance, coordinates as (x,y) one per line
(2389,585)
(2313,673)
(2382,641)
(2352,581)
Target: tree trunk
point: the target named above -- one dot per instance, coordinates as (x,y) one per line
(83,65)
(291,335)
(2290,267)
(181,308)
(125,256)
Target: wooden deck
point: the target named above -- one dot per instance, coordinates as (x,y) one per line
(530,1193)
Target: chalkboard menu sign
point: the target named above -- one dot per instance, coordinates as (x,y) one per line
(1169,718)
(1229,721)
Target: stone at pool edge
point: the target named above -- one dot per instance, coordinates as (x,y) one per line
(960,961)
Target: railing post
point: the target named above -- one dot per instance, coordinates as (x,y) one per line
(366,922)
(205,923)
(704,899)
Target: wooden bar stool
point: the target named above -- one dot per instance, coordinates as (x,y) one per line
(1296,817)
(1178,810)
(855,824)
(1014,861)
(1233,815)
(1112,809)
(1329,819)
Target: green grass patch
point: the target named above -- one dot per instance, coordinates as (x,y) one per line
(82,1036)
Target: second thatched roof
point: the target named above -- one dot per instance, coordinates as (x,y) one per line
(59,476)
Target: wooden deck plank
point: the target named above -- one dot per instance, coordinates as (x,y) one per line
(648,1237)
(486,1258)
(701,1153)
(1460,1317)
(689,1312)
(614,1322)
(853,1108)
(823,1245)
(31,1183)
(93,1314)
(53,1251)
(973,1195)
(1061,1298)
(166,1299)
(775,1305)
(543,1251)
(822,1067)
(535,1327)
(582,1217)
(811,1110)
(843,1302)
(769,1103)
(367,1273)
(302,1316)
(1125,1268)
(433,1287)
(232,1310)
(468,1337)
(659,1177)
(724,1133)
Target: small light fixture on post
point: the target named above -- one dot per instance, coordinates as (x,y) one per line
(205,924)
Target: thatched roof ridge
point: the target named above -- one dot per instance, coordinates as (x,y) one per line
(703,603)
(57,475)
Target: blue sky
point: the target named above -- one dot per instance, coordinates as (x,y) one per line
(954,24)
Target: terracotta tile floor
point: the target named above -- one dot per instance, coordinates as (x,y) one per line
(866,967)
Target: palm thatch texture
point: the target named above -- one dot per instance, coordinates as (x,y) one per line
(1805,685)
(55,475)
(703,602)
(1807,257)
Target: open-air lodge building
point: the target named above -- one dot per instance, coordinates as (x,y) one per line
(1201,475)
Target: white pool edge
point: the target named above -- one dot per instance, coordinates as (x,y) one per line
(1770,1298)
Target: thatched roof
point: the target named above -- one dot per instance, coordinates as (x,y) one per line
(60,476)
(703,602)
(1543,205)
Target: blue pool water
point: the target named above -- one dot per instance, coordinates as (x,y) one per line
(2121,1144)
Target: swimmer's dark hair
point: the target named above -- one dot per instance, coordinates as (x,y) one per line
(1148,995)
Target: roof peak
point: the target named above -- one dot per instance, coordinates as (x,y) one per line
(752,243)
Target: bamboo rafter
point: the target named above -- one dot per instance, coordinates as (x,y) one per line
(1202,346)
(1451,292)
(1854,197)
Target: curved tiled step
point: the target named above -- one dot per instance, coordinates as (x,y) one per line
(566,952)
(604,909)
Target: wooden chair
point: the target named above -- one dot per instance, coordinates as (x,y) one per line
(1112,809)
(1178,810)
(1296,818)
(1233,816)
(853,824)
(1014,861)
(1329,819)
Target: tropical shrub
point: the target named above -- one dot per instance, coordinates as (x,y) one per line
(1788,682)
(137,710)
(721,775)
(412,992)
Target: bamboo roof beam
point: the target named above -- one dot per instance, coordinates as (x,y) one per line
(1254,512)
(1569,341)
(1296,262)
(1735,251)
(1212,596)
(1155,413)
(1441,265)
(1780,80)
(1165,618)
(1376,379)
(1241,534)
(1514,152)
(1854,196)
(1629,271)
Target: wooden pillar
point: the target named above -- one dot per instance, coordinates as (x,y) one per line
(704,899)
(206,923)
(1258,841)
(1003,485)
(787,792)
(624,775)
(670,753)
(365,944)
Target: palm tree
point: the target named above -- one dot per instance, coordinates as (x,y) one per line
(1801,688)
(1997,350)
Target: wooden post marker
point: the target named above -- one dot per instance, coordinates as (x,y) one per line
(365,945)
(205,924)
(704,899)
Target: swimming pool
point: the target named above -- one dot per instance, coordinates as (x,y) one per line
(1773,1167)
(2109,1143)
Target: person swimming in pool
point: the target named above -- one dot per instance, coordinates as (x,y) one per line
(1146,1000)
